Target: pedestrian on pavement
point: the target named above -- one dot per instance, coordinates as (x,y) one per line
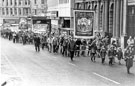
(130,41)
(111,55)
(72,48)
(37,43)
(14,37)
(93,52)
(103,53)
(129,58)
(119,55)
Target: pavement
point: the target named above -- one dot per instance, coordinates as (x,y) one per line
(21,65)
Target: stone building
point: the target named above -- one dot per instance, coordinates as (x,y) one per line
(11,11)
(114,17)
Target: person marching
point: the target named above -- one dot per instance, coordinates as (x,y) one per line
(103,53)
(111,55)
(37,43)
(72,48)
(119,55)
(129,58)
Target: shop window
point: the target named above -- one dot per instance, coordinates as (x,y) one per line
(66,24)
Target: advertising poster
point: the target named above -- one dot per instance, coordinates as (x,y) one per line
(23,24)
(84,22)
(40,27)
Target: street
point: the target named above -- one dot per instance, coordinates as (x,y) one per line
(30,68)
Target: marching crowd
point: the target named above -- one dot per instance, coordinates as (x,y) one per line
(68,46)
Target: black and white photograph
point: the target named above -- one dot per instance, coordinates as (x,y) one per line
(67,42)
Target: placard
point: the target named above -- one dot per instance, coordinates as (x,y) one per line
(83,24)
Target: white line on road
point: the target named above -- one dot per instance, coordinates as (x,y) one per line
(106,78)
(72,64)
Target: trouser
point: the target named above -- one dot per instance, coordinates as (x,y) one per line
(64,51)
(110,61)
(43,45)
(128,70)
(37,47)
(72,54)
(54,48)
(93,57)
(103,60)
(13,40)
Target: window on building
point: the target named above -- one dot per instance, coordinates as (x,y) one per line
(15,2)
(26,11)
(7,3)
(63,1)
(15,10)
(11,2)
(3,11)
(19,2)
(28,2)
(7,11)
(25,2)
(35,12)
(35,1)
(20,11)
(42,1)
(11,11)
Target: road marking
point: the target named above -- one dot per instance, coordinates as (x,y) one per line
(106,78)
(72,64)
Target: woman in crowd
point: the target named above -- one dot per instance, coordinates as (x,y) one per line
(129,58)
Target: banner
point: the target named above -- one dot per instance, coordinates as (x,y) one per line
(23,24)
(83,24)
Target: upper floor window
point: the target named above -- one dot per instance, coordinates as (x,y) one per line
(26,2)
(7,3)
(35,1)
(15,2)
(11,2)
(20,11)
(15,10)
(63,1)
(3,11)
(19,2)
(42,1)
(11,11)
(7,11)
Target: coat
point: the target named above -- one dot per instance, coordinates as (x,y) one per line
(119,55)
(128,58)
(72,45)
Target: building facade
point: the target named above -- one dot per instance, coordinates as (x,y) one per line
(13,11)
(39,7)
(112,17)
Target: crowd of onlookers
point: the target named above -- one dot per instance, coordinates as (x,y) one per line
(68,46)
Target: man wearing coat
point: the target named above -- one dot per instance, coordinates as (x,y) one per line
(129,58)
(72,48)
(37,43)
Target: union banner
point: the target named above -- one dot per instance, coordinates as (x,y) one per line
(83,24)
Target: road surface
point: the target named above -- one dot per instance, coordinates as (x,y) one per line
(22,65)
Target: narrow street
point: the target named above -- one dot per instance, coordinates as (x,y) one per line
(42,68)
